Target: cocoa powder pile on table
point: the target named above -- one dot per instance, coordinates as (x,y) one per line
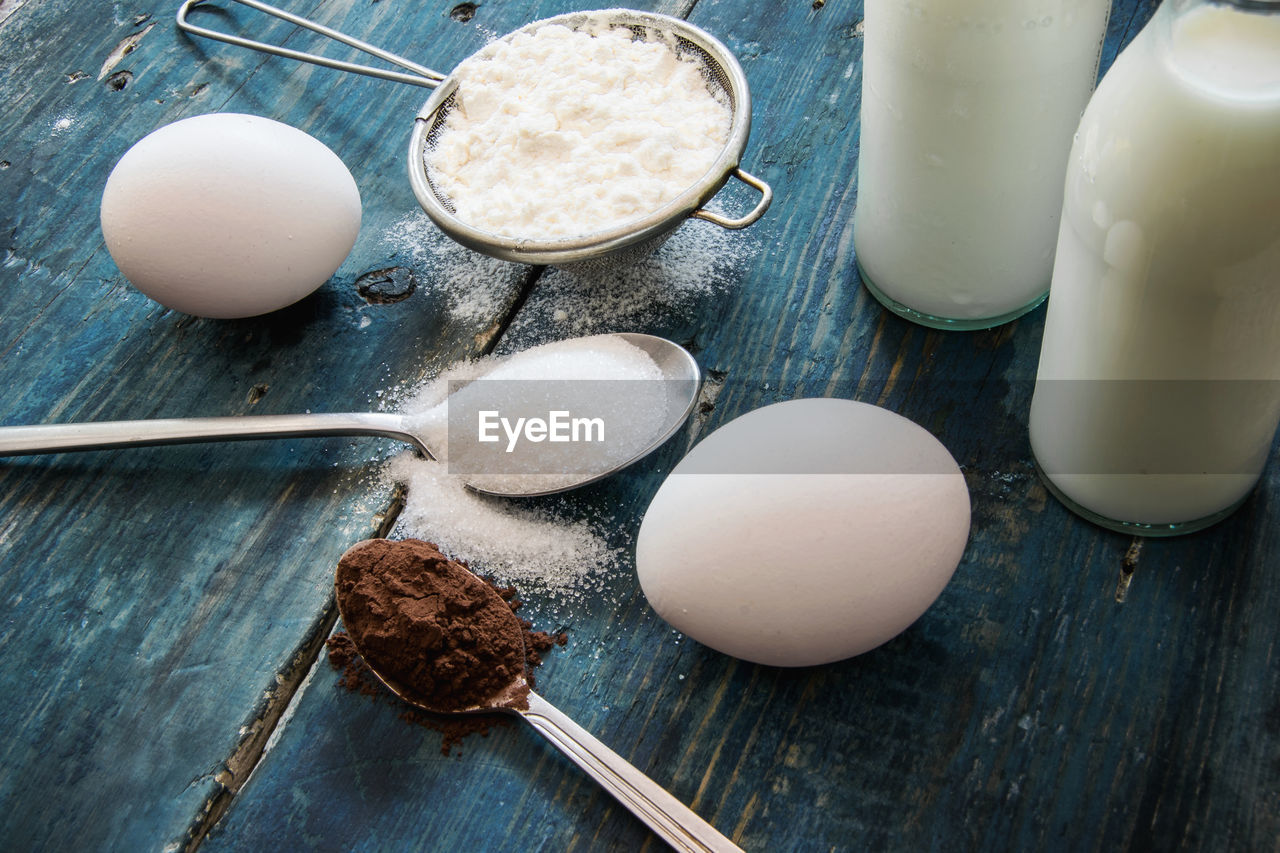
(441,635)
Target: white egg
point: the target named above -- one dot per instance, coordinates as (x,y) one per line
(229,215)
(804,532)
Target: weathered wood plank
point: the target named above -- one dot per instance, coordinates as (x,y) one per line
(160,592)
(1027,709)
(154,597)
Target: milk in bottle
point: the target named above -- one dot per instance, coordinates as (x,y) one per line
(1158,390)
(968,107)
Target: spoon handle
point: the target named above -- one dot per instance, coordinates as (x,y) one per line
(673,821)
(57,438)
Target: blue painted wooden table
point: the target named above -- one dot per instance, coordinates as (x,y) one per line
(162,679)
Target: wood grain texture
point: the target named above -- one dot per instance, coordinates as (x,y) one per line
(157,598)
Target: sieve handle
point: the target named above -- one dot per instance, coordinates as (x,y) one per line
(766,196)
(421,76)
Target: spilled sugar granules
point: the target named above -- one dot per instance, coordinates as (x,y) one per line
(548,545)
(533,547)
(518,543)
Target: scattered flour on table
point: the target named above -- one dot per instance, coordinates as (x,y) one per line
(564,132)
(545,544)
(698,263)
(531,548)
(474,286)
(517,544)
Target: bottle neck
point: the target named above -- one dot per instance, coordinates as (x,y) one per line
(1229,48)
(1264,6)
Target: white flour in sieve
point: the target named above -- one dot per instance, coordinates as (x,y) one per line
(560,132)
(497,535)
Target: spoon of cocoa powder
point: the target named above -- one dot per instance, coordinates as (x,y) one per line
(445,641)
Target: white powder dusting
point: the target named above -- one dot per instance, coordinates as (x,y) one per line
(691,271)
(531,548)
(498,535)
(700,261)
(552,550)
(475,287)
(561,132)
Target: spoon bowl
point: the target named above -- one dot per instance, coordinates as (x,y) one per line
(680,382)
(404,642)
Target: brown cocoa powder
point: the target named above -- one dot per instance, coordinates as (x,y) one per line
(443,636)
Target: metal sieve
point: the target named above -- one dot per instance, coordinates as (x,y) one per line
(601,250)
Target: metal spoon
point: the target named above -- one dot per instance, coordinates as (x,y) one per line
(681,378)
(670,819)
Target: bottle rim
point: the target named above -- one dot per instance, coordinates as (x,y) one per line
(1254,5)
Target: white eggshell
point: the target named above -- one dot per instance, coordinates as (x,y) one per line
(804,532)
(229,215)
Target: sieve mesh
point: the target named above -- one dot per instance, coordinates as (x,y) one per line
(598,251)
(606,248)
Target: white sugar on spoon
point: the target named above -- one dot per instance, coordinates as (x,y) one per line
(555,416)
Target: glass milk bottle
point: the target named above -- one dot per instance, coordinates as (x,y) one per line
(1158,390)
(968,107)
